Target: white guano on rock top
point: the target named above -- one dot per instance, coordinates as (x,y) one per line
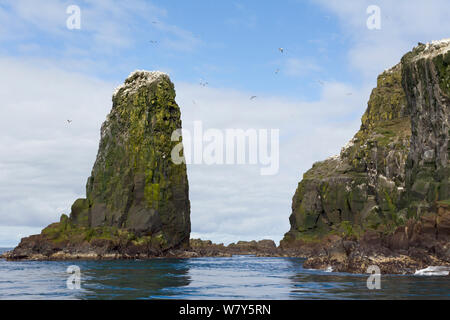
(434,48)
(137,79)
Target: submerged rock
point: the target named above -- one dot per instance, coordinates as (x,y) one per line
(262,248)
(388,190)
(137,199)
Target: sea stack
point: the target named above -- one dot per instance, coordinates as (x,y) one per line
(387,193)
(137,198)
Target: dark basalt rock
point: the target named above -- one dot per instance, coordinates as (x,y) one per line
(257,248)
(388,189)
(134,183)
(137,199)
(363,187)
(413,247)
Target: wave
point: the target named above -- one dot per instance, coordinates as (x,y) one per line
(433,271)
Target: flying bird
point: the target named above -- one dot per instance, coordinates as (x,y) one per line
(69,121)
(321,82)
(276,71)
(281,50)
(253,97)
(203,83)
(153,41)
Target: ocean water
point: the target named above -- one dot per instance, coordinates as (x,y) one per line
(239,277)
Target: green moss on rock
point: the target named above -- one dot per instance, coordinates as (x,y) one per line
(396,166)
(135,194)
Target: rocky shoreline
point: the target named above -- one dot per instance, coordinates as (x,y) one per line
(384,201)
(416,246)
(37,248)
(335,261)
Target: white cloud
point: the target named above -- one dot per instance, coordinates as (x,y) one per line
(403,25)
(239,204)
(106,25)
(231,203)
(45,161)
(300,67)
(10,236)
(178,39)
(49,16)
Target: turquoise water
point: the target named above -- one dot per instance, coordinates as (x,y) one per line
(239,277)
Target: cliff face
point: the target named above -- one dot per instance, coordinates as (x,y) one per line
(362,186)
(134,183)
(426,81)
(137,199)
(396,166)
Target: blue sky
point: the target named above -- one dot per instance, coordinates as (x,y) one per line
(229,43)
(326,73)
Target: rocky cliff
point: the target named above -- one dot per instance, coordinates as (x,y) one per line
(137,199)
(134,183)
(391,181)
(363,186)
(426,82)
